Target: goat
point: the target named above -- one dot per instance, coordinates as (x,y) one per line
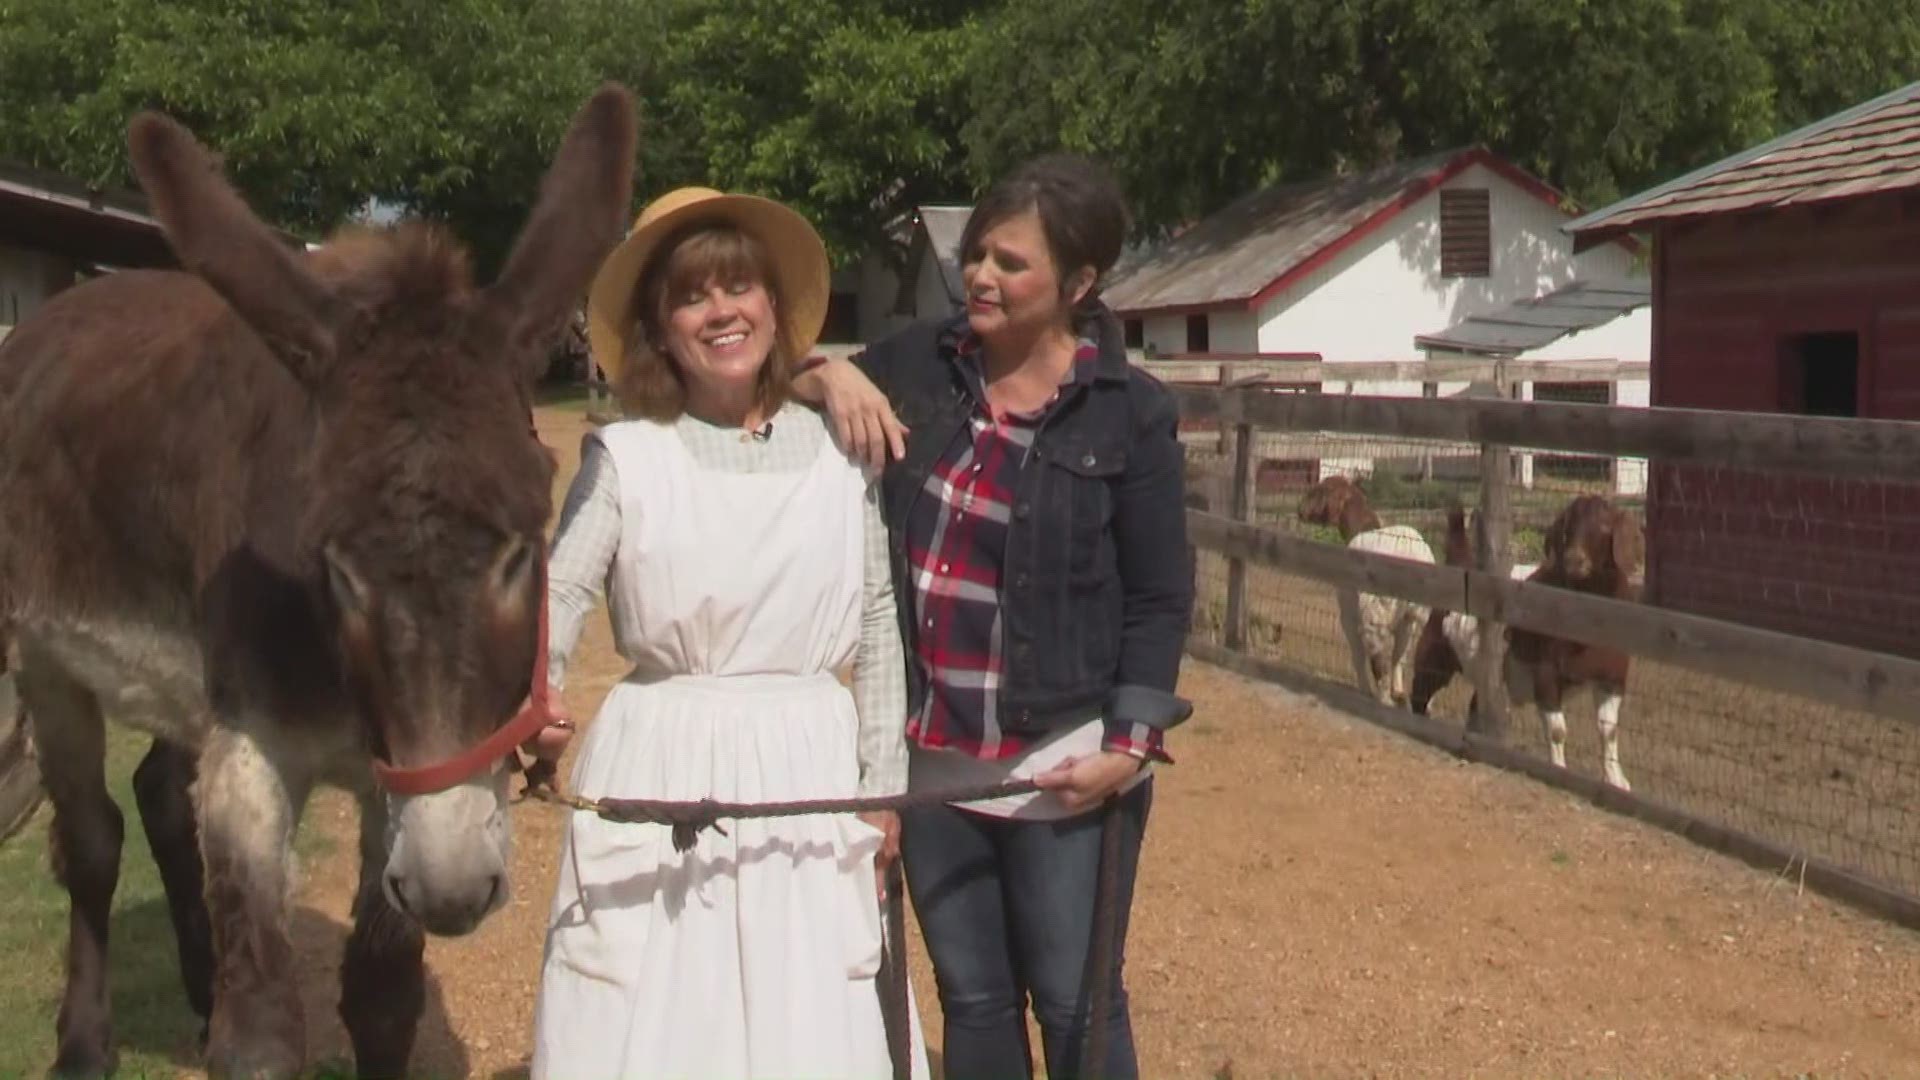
(1451,639)
(1380,630)
(1592,547)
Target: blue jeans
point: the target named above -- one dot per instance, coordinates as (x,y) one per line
(1006,910)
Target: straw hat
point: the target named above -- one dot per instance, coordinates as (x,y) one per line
(801,276)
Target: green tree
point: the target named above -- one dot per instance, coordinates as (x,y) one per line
(844,109)
(1199,102)
(316,106)
(855,111)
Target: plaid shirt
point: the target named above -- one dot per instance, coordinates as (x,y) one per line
(956,541)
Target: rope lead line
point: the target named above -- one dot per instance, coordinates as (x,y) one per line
(689,818)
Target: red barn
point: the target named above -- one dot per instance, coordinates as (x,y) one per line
(1786,279)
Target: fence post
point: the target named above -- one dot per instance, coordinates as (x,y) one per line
(1225,377)
(1495,556)
(1240,508)
(1430,391)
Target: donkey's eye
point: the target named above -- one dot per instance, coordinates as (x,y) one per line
(516,560)
(348,588)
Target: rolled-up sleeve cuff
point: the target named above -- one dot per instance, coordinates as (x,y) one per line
(1148,706)
(1138,718)
(1135,740)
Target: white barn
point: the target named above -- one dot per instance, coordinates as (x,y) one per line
(1354,268)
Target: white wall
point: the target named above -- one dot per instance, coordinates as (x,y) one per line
(930,288)
(1227,331)
(1371,300)
(1165,333)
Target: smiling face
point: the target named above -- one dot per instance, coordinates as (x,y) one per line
(714,328)
(720,332)
(1013,284)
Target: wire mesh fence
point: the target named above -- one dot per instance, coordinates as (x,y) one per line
(1814,557)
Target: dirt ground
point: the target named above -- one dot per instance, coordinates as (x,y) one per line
(1833,782)
(1321,898)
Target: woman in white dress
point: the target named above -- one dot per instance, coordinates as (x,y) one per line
(744,563)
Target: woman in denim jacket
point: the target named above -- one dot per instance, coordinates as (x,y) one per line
(1037,528)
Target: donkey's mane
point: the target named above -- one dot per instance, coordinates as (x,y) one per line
(412,263)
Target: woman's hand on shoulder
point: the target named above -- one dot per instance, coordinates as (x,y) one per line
(862,419)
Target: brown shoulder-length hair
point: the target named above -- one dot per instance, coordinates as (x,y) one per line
(653,385)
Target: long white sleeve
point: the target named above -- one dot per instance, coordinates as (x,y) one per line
(583,550)
(879,673)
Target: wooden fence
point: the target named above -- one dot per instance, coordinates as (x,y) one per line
(1502,373)
(1833,674)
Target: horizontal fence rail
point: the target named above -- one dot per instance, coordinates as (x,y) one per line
(1785,750)
(1868,448)
(1833,674)
(1322,371)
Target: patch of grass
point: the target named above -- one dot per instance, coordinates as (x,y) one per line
(154,1028)
(1560,858)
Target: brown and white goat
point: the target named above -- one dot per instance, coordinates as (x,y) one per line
(1593,547)
(1451,639)
(1380,630)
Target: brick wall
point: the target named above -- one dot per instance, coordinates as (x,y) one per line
(1830,559)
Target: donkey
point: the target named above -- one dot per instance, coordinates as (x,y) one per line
(286,513)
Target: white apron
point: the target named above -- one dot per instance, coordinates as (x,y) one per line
(754,955)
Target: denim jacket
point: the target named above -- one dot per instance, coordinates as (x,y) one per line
(1098,581)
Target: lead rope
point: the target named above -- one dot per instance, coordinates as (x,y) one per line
(1103,948)
(895,1003)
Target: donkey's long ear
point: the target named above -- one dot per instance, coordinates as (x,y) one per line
(580,216)
(217,238)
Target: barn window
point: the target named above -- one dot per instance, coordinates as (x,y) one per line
(1820,374)
(1466,233)
(1136,333)
(1197,340)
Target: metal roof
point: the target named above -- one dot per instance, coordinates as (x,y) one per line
(48,212)
(1529,324)
(1870,148)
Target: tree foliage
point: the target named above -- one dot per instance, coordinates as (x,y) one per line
(857,110)
(1199,101)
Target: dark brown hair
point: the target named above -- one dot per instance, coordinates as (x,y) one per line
(653,385)
(1081,211)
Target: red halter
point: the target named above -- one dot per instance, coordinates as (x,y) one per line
(496,747)
(532,717)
